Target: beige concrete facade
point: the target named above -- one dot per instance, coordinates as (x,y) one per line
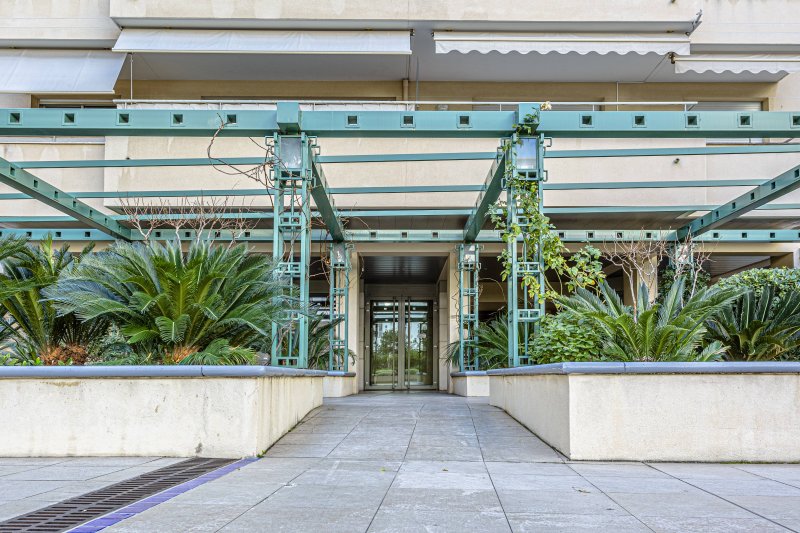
(476,80)
(174,417)
(658,417)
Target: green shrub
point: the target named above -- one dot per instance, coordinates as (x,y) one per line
(35,332)
(759,326)
(782,280)
(671,330)
(208,305)
(564,337)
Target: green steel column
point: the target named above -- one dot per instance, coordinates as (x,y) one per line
(339,296)
(468,299)
(524,310)
(292,176)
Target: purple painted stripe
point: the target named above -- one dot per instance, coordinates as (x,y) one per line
(142,505)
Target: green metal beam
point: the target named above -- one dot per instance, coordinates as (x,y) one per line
(700,150)
(237,161)
(489,194)
(357,123)
(254,123)
(407,189)
(407,213)
(654,124)
(323,201)
(36,188)
(437,156)
(432,236)
(763,194)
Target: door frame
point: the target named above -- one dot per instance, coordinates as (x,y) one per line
(426,292)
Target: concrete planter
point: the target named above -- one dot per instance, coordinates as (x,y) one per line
(340,384)
(658,411)
(472,383)
(206,411)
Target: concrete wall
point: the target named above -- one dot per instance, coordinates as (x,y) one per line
(339,384)
(130,411)
(658,412)
(469,384)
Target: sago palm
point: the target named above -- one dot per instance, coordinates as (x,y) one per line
(665,331)
(758,327)
(35,329)
(206,305)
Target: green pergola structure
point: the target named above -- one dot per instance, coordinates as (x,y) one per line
(297,177)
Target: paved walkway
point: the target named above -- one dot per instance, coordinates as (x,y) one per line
(28,484)
(437,463)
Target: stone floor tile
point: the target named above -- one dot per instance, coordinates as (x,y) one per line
(229,492)
(312,438)
(433,467)
(32,461)
(751,487)
(539,469)
(300,450)
(558,502)
(127,473)
(550,523)
(618,470)
(22,506)
(7,470)
(110,461)
(692,471)
(443,453)
(186,518)
(793,525)
(355,478)
(541,483)
(776,507)
(401,521)
(297,520)
(789,473)
(642,485)
(62,473)
(465,500)
(71,489)
(442,480)
(445,440)
(18,489)
(688,505)
(327,497)
(672,524)
(529,454)
(386,453)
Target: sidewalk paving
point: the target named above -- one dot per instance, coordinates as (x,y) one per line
(408,462)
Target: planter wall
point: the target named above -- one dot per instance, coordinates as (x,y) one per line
(471,383)
(138,411)
(340,384)
(658,411)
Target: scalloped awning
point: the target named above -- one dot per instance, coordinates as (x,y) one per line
(561,43)
(738,63)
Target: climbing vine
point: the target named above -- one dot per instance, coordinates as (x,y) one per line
(580,269)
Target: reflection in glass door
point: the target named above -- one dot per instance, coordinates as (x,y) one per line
(401,344)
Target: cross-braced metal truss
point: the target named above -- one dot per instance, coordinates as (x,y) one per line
(298,177)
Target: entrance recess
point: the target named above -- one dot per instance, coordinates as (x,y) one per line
(401,344)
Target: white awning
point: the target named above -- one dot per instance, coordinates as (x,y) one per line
(59,71)
(738,63)
(263,42)
(561,43)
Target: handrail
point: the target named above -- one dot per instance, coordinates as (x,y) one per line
(409,104)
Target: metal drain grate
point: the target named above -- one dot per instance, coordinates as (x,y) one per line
(70,513)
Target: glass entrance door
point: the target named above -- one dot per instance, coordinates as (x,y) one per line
(401,344)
